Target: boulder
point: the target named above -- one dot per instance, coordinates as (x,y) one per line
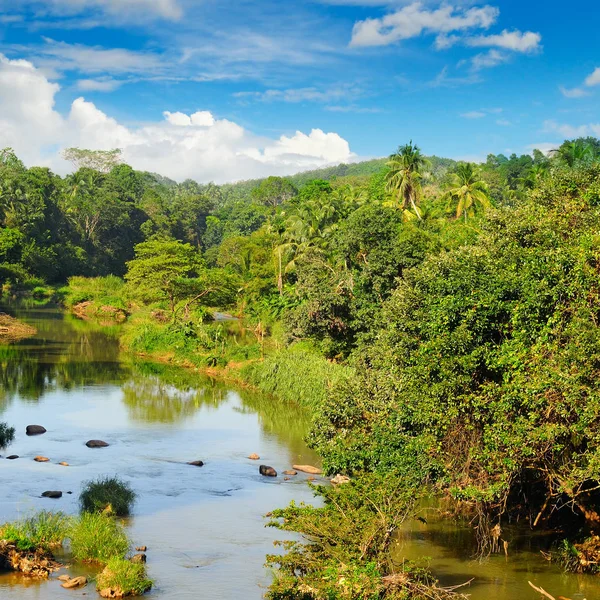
(64,577)
(196,463)
(96,444)
(141,549)
(54,495)
(308,469)
(267,471)
(138,558)
(76,582)
(254,457)
(41,459)
(12,457)
(340,480)
(35,430)
(290,472)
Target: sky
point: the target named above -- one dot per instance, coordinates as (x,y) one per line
(225,90)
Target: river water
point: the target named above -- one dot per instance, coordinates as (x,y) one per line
(204,527)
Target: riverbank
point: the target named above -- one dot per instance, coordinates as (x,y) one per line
(12,330)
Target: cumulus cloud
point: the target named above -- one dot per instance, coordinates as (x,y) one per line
(181,146)
(572,131)
(515,41)
(415,20)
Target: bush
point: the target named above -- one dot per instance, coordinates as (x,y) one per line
(97,538)
(124,578)
(43,532)
(7,435)
(109,291)
(109,495)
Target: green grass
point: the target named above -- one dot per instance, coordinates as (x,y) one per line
(108,494)
(43,531)
(7,435)
(97,538)
(297,374)
(104,291)
(124,577)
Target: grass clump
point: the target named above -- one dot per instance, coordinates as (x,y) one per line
(7,435)
(110,495)
(97,538)
(108,291)
(44,531)
(123,578)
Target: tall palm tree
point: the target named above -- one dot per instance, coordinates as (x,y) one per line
(575,152)
(405,174)
(467,190)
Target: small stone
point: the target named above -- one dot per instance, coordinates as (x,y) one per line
(290,472)
(254,457)
(12,457)
(64,577)
(41,459)
(286,478)
(35,430)
(196,463)
(63,464)
(141,549)
(53,495)
(340,480)
(267,471)
(138,558)
(96,444)
(308,469)
(311,479)
(76,582)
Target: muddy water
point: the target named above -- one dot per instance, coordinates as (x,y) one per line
(204,527)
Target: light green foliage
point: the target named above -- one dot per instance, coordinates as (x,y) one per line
(44,532)
(274,191)
(96,537)
(98,160)
(108,291)
(467,191)
(110,495)
(124,577)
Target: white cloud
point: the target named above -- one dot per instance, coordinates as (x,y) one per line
(475,114)
(414,20)
(307,94)
(594,78)
(181,146)
(504,123)
(493,58)
(572,131)
(103,84)
(573,92)
(515,41)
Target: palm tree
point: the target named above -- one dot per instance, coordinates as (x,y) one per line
(575,152)
(405,174)
(467,190)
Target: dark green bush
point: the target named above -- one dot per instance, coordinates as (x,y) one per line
(109,495)
(7,435)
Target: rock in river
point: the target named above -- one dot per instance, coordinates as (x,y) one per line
(96,444)
(54,495)
(196,463)
(138,558)
(41,459)
(308,469)
(12,457)
(76,582)
(35,430)
(254,457)
(267,471)
(290,472)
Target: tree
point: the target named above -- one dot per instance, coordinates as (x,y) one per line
(274,191)
(99,160)
(467,190)
(405,174)
(574,153)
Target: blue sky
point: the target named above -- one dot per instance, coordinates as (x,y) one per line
(280,86)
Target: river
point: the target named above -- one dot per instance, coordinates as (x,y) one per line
(204,527)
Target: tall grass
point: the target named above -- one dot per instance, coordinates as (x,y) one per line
(96,537)
(297,374)
(109,291)
(43,532)
(109,494)
(124,578)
